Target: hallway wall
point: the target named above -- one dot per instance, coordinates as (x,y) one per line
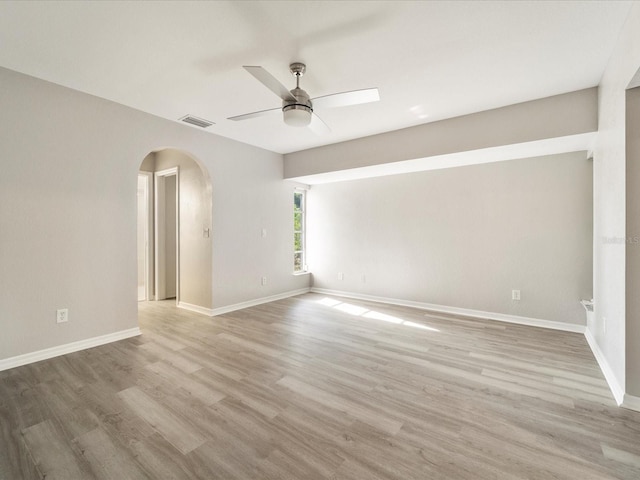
(68,215)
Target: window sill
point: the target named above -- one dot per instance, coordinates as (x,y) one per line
(306,272)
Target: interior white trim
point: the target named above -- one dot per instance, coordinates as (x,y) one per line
(195,308)
(501,317)
(614,386)
(631,402)
(258,301)
(19,360)
(622,399)
(538,148)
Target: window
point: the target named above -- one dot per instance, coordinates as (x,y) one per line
(299,220)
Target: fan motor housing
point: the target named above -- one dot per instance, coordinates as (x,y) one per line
(298,113)
(303,101)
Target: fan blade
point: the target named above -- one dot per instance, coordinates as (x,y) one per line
(318,126)
(345,99)
(247,116)
(270,82)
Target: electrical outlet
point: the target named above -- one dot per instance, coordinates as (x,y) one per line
(263,281)
(340,276)
(515,295)
(263,233)
(62,315)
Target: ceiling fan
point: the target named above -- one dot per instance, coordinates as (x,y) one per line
(298,109)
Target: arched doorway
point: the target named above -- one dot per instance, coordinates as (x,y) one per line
(174,238)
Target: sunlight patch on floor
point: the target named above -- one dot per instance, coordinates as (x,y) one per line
(362,312)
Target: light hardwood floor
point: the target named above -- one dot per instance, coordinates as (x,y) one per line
(316,387)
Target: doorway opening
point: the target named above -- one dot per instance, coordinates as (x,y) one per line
(177,261)
(167,240)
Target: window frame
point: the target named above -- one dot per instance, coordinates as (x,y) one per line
(302,232)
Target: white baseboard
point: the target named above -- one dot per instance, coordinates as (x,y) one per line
(625,400)
(614,385)
(195,308)
(258,301)
(622,399)
(19,360)
(501,317)
(631,402)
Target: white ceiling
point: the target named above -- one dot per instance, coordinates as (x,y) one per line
(431,60)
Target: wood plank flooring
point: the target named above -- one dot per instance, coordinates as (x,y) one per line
(317,387)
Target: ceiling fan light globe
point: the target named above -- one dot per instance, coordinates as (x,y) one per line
(297,115)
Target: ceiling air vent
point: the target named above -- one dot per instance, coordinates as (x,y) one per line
(198,122)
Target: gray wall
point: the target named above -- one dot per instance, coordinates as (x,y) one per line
(462,237)
(68,213)
(552,117)
(633,241)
